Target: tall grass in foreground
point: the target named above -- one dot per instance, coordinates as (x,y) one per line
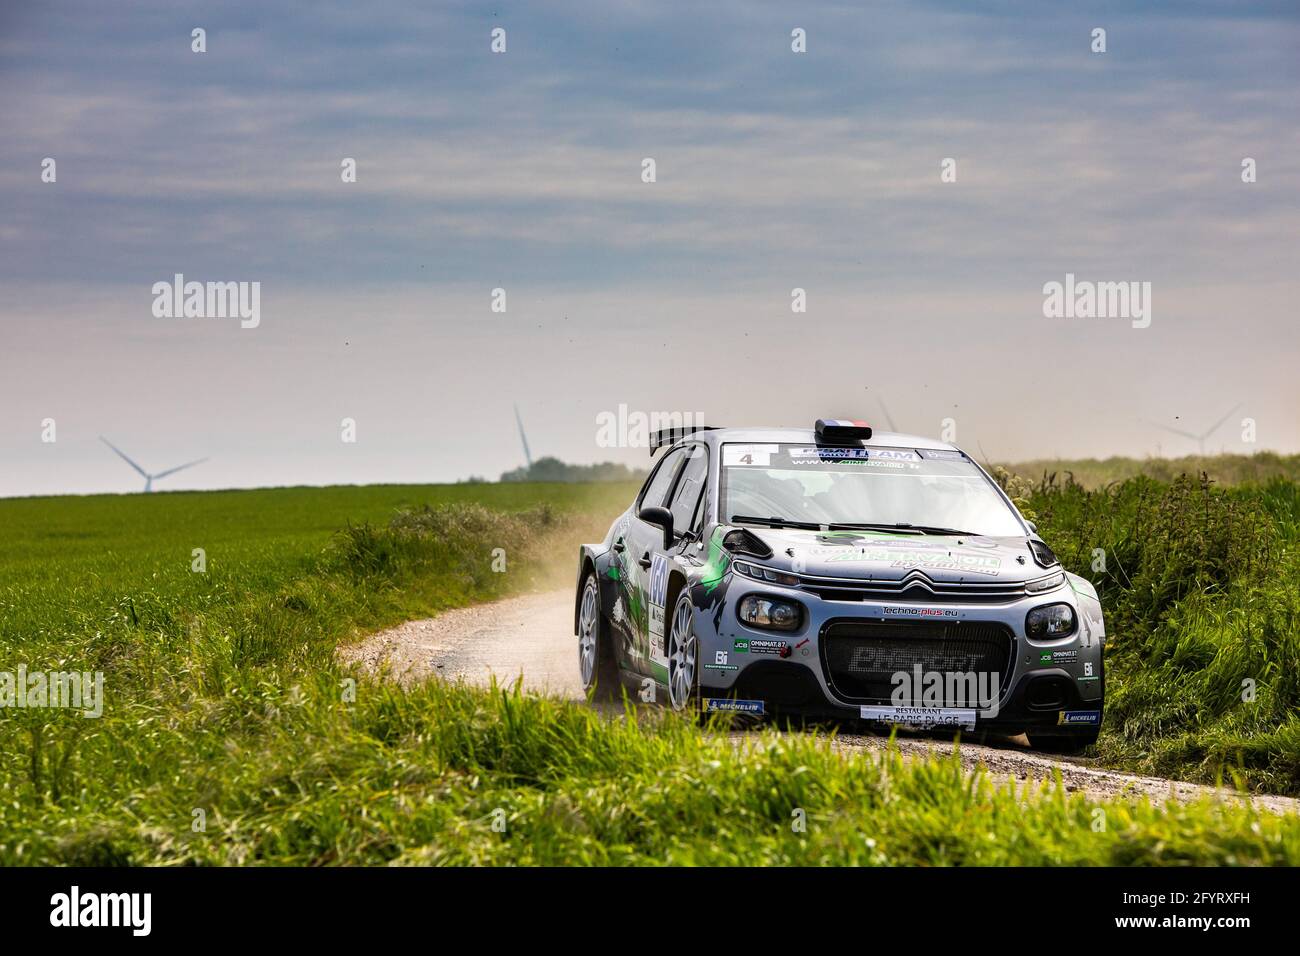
(454,775)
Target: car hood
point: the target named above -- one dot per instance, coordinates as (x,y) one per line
(883,556)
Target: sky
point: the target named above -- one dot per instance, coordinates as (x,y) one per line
(522,170)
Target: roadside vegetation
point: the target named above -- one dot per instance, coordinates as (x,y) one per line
(1199,585)
(230,735)
(1093,473)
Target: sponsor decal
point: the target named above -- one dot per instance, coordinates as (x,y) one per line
(656,611)
(658,580)
(741,647)
(848,545)
(915,555)
(922,717)
(760,455)
(899,610)
(1065,655)
(721,667)
(719,657)
(939,454)
(1045,657)
(658,651)
(894,454)
(775,648)
(1066,717)
(733,706)
(803,456)
(953,561)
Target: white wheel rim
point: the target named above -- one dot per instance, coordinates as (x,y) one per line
(681,657)
(588,631)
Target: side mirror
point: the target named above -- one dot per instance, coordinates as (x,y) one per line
(661,517)
(1033,528)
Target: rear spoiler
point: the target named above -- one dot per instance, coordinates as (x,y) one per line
(666,436)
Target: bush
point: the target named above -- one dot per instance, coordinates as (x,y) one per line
(1203,630)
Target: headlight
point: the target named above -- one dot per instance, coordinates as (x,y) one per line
(1045,584)
(764,574)
(770,613)
(1050,620)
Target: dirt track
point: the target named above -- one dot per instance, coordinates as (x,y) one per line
(531,637)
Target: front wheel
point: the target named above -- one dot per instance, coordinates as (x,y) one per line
(682,651)
(595,655)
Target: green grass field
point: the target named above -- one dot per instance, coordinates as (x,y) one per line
(224,705)
(1095,473)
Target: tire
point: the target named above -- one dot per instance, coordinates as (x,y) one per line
(596,664)
(683,656)
(1057,744)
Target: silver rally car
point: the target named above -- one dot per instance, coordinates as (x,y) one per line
(836,573)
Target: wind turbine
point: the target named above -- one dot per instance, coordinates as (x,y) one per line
(523,438)
(1199,439)
(148,478)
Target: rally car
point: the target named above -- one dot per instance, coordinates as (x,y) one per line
(836,573)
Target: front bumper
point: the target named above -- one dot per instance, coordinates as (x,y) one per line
(1051,686)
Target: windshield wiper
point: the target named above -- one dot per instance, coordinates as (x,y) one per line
(775,522)
(902,526)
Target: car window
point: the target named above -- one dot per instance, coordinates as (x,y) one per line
(689,487)
(656,489)
(864,484)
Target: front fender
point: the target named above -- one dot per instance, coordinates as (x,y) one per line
(1093,623)
(592,557)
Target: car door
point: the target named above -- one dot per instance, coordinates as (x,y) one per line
(653,558)
(643,542)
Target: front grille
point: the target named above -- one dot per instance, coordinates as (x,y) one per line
(913,589)
(862,657)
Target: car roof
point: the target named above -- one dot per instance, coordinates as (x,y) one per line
(879,439)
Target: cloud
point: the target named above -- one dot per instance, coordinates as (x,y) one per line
(775,170)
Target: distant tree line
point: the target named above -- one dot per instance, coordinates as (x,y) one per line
(552,469)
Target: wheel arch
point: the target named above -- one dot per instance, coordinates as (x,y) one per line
(677,583)
(589,562)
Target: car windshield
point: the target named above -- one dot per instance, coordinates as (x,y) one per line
(925,491)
